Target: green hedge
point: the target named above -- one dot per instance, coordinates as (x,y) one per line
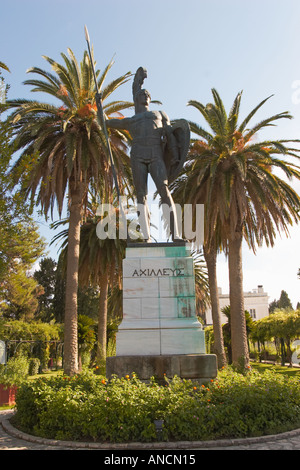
(34,365)
(14,372)
(87,407)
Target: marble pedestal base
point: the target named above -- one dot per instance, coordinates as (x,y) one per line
(160,331)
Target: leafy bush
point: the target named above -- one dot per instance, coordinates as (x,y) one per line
(34,364)
(88,407)
(14,372)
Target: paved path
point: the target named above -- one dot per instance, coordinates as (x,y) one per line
(13,439)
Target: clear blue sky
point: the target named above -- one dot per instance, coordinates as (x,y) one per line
(188,47)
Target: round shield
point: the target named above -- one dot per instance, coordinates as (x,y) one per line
(181,131)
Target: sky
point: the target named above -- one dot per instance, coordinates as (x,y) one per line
(188,47)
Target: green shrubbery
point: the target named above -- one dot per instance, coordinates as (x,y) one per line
(34,365)
(14,372)
(87,407)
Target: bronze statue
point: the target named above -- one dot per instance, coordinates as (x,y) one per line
(159,148)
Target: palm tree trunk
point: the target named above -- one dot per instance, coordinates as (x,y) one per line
(211,263)
(102,320)
(70,323)
(240,352)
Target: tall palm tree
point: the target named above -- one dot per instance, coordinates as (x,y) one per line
(233,173)
(180,190)
(210,254)
(100,263)
(67,150)
(201,283)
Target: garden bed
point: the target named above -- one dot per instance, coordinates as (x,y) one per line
(89,408)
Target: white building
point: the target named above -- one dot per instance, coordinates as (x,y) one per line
(256,303)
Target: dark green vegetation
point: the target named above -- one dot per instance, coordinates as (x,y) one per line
(88,407)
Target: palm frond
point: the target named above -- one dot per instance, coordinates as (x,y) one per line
(252,113)
(221,109)
(266,123)
(112,86)
(215,119)
(4,66)
(234,115)
(198,130)
(200,107)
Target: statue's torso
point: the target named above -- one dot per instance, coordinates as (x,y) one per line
(146,127)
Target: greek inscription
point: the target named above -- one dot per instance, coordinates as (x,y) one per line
(158,272)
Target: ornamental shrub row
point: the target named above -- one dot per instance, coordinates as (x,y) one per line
(88,407)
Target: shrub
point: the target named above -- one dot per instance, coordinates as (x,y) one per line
(14,372)
(88,407)
(34,364)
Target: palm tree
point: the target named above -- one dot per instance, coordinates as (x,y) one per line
(210,255)
(233,174)
(181,188)
(100,263)
(63,149)
(201,283)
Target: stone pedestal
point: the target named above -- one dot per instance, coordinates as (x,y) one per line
(160,329)
(199,367)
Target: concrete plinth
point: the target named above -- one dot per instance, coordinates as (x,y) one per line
(160,332)
(159,307)
(200,367)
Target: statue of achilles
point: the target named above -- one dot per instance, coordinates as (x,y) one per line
(159,148)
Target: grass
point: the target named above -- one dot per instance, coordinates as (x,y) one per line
(287,371)
(47,373)
(2,408)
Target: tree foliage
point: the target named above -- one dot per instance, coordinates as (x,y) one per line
(20,242)
(63,142)
(46,277)
(62,151)
(283,302)
(282,327)
(235,175)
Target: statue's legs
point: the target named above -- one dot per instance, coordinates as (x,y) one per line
(140,177)
(157,170)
